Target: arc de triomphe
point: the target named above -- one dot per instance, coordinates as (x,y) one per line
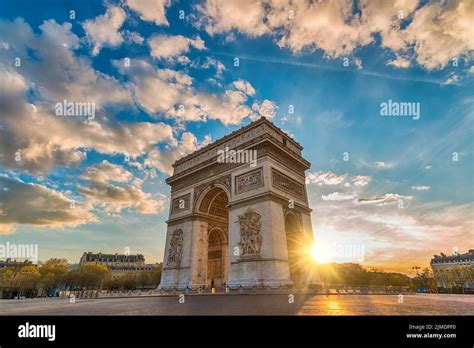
(240,224)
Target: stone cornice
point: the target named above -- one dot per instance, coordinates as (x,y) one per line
(265,146)
(248,134)
(196,216)
(250,200)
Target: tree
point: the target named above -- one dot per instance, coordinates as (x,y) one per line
(87,277)
(6,279)
(26,279)
(426,280)
(353,274)
(6,276)
(52,272)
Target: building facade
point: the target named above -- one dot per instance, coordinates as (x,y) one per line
(239,214)
(454,271)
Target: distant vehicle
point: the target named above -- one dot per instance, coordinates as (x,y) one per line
(422,290)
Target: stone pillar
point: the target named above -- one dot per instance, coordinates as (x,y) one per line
(268,266)
(198,272)
(177,258)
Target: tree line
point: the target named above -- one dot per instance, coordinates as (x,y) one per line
(53,275)
(354,275)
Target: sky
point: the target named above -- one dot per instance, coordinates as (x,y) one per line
(165,78)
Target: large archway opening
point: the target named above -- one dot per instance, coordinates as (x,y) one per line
(296,242)
(215,207)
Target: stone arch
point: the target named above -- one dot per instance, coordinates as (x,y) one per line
(213,204)
(207,194)
(217,235)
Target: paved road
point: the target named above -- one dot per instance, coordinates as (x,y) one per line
(248,304)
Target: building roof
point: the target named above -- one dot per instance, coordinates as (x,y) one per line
(15,263)
(114,257)
(443,258)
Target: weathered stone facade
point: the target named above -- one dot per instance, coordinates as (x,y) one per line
(230,223)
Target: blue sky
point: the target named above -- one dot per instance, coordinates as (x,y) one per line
(332,63)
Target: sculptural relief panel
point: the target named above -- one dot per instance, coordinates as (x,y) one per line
(250,233)
(175,250)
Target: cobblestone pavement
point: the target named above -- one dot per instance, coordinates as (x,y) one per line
(248,304)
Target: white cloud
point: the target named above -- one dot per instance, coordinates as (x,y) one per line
(421,188)
(208,63)
(168,47)
(103,31)
(338,196)
(377,164)
(43,140)
(451,80)
(361,180)
(358,63)
(384,165)
(133,37)
(183,60)
(400,62)
(150,10)
(325,25)
(385,199)
(219,66)
(245,87)
(54,48)
(106,171)
(101,190)
(266,109)
(440,32)
(220,16)
(163,159)
(38,206)
(329,178)
(384,18)
(324,178)
(435,34)
(329,26)
(172,93)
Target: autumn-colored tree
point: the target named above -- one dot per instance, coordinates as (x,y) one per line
(133,280)
(6,279)
(425,280)
(26,279)
(52,272)
(87,277)
(6,276)
(353,274)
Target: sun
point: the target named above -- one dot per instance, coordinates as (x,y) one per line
(320,253)
(314,252)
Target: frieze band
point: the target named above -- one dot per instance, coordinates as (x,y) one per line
(285,183)
(249,181)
